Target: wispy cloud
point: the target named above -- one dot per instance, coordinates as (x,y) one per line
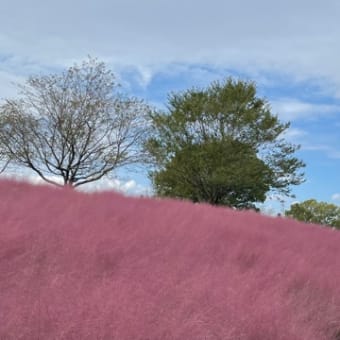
(330,151)
(126,186)
(8,83)
(293,109)
(336,197)
(129,186)
(292,37)
(295,134)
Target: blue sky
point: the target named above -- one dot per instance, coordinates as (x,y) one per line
(290,49)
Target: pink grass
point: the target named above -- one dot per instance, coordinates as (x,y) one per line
(103,266)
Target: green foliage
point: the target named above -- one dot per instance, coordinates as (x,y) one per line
(218,172)
(221,145)
(312,211)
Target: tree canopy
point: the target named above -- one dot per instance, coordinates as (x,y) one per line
(73,125)
(221,145)
(227,172)
(312,211)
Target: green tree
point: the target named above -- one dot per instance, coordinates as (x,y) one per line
(312,211)
(221,145)
(216,172)
(73,125)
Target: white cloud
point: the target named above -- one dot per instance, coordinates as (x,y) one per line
(127,186)
(28,176)
(336,197)
(293,109)
(294,135)
(290,37)
(8,83)
(330,151)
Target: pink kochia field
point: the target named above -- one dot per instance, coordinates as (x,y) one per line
(103,266)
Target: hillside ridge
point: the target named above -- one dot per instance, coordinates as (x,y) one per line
(103,266)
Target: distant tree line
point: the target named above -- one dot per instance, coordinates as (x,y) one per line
(312,211)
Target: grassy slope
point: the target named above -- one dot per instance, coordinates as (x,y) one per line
(102,266)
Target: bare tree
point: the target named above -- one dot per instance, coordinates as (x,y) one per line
(4,167)
(75,125)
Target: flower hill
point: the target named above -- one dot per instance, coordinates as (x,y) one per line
(104,266)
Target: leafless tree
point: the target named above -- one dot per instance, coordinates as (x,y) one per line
(75,124)
(4,167)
